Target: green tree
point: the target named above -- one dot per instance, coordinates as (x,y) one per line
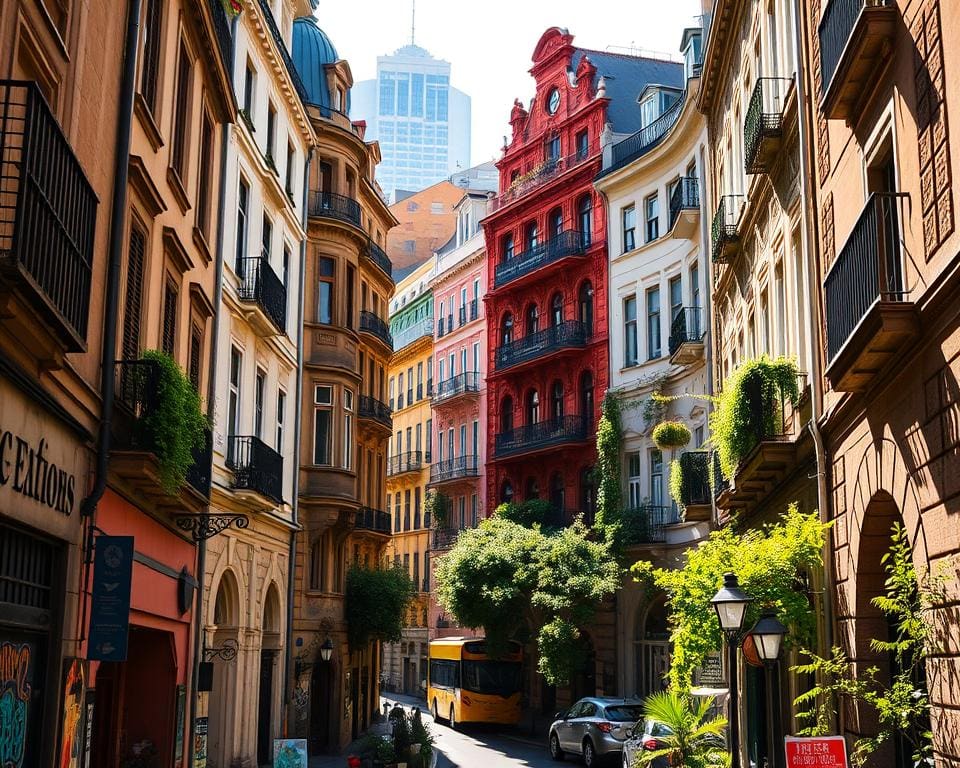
(527,513)
(504,577)
(375,603)
(695,740)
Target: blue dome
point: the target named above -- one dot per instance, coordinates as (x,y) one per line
(312,52)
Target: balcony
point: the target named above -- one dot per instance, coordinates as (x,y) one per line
(685,209)
(725,230)
(411,333)
(379,257)
(443,538)
(328,205)
(463,316)
(48,218)
(686,336)
(568,335)
(467,383)
(256,467)
(645,140)
(763,124)
(373,410)
(645,524)
(411,461)
(855,41)
(372,520)
(870,320)
(376,327)
(696,491)
(457,468)
(261,287)
(198,476)
(566,244)
(546,172)
(566,430)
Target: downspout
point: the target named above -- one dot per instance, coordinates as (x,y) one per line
(809,240)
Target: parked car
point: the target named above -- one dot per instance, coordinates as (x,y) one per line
(594,728)
(645,736)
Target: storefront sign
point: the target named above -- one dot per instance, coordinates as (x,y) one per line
(200,743)
(710,673)
(816,752)
(289,753)
(26,466)
(15,689)
(110,606)
(72,746)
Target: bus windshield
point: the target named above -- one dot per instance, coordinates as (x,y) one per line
(501,678)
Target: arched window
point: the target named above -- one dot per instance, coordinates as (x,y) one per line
(533,407)
(531,236)
(506,329)
(556,309)
(506,247)
(585,304)
(532,320)
(506,414)
(556,400)
(586,398)
(532,489)
(652,643)
(557,492)
(585,219)
(506,492)
(555,223)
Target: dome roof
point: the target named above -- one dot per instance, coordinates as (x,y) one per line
(312,52)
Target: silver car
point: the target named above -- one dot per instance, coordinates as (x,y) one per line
(594,728)
(647,735)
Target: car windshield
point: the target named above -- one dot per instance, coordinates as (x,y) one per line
(625,713)
(658,729)
(495,677)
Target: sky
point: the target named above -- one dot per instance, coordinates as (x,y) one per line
(489,42)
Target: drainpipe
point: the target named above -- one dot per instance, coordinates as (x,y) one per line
(297,419)
(809,239)
(118,207)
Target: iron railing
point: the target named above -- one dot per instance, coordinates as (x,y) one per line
(567,243)
(333,206)
(867,269)
(566,429)
(256,466)
(284,53)
(769,413)
(695,487)
(764,119)
(644,140)
(836,27)
(48,212)
(221,26)
(378,256)
(137,394)
(724,228)
(443,538)
(544,173)
(377,326)
(645,524)
(260,284)
(454,469)
(685,197)
(474,309)
(411,461)
(687,326)
(469,381)
(411,333)
(570,334)
(463,315)
(370,519)
(371,408)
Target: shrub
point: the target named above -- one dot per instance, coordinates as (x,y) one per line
(422,736)
(526,513)
(401,732)
(376,602)
(669,435)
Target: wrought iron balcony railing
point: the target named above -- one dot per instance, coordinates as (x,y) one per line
(570,334)
(547,171)
(457,385)
(378,256)
(411,461)
(646,524)
(371,408)
(840,19)
(370,519)
(411,333)
(375,325)
(685,197)
(333,206)
(543,434)
(463,315)
(724,232)
(260,284)
(636,146)
(867,270)
(454,469)
(567,243)
(137,394)
(256,466)
(686,327)
(284,53)
(48,213)
(763,122)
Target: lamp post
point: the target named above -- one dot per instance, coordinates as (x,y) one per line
(768,635)
(326,650)
(731,604)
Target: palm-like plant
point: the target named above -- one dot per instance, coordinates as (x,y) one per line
(695,740)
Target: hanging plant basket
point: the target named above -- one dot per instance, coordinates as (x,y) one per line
(670,435)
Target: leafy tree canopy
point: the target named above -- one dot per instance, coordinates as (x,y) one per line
(375,604)
(527,513)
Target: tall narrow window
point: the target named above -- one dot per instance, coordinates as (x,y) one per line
(695,285)
(555,223)
(133,300)
(634,483)
(507,251)
(628,218)
(233,396)
(288,171)
(243,202)
(476,359)
(351,290)
(325,291)
(150,67)
(781,309)
(585,299)
(169,335)
(474,510)
(653,323)
(556,400)
(347,457)
(205,176)
(583,145)
(196,350)
(532,320)
(249,79)
(506,414)
(475,447)
(266,239)
(556,309)
(630,331)
(506,330)
(587,398)
(281,417)
(259,394)
(316,563)
(676,297)
(656,478)
(270,149)
(181,113)
(417,501)
(323,424)
(533,407)
(532,236)
(429,446)
(553,149)
(585,219)
(652,217)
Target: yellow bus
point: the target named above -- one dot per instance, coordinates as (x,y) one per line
(464,685)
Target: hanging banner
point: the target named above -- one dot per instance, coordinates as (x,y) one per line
(816,752)
(110,606)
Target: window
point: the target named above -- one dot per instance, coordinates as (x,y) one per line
(463,439)
(150,67)
(416,565)
(347,457)
(243,201)
(586,306)
(781,309)
(695,286)
(506,414)
(288,170)
(628,217)
(270,149)
(233,396)
(462,512)
(656,478)
(205,176)
(556,400)
(351,289)
(325,291)
(553,149)
(676,297)
(583,145)
(652,212)
(429,434)
(585,219)
(406,517)
(258,395)
(531,235)
(653,323)
(556,309)
(532,320)
(474,510)
(249,81)
(266,239)
(630,331)
(281,415)
(506,247)
(649,107)
(555,223)
(323,425)
(533,407)
(476,359)
(169,331)
(416,505)
(133,299)
(506,331)
(316,563)
(506,492)
(181,113)
(765,322)
(476,439)
(196,350)
(633,480)
(586,398)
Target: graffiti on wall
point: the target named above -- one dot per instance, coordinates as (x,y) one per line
(14,699)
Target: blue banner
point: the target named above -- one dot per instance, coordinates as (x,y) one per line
(110,610)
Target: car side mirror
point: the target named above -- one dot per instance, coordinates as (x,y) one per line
(561,715)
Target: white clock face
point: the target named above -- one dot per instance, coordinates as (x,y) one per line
(553,102)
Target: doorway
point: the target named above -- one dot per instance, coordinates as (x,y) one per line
(321,707)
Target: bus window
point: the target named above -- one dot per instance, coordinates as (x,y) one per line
(498,677)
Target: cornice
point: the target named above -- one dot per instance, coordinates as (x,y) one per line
(718,52)
(468,262)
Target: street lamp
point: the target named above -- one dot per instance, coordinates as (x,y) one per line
(768,634)
(326,650)
(731,604)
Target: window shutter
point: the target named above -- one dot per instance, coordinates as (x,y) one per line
(133,302)
(169,318)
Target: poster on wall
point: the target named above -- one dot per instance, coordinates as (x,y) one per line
(816,751)
(200,743)
(72,730)
(289,753)
(110,606)
(181,712)
(21,673)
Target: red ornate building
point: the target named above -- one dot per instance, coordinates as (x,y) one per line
(547,279)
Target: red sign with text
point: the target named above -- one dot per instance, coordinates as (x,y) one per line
(816,752)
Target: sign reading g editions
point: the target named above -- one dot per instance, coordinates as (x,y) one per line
(816,752)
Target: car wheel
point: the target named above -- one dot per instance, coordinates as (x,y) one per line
(589,755)
(453,719)
(434,712)
(555,752)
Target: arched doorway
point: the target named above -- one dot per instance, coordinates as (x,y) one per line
(269,658)
(222,709)
(651,642)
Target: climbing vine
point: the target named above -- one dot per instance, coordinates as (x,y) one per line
(609,441)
